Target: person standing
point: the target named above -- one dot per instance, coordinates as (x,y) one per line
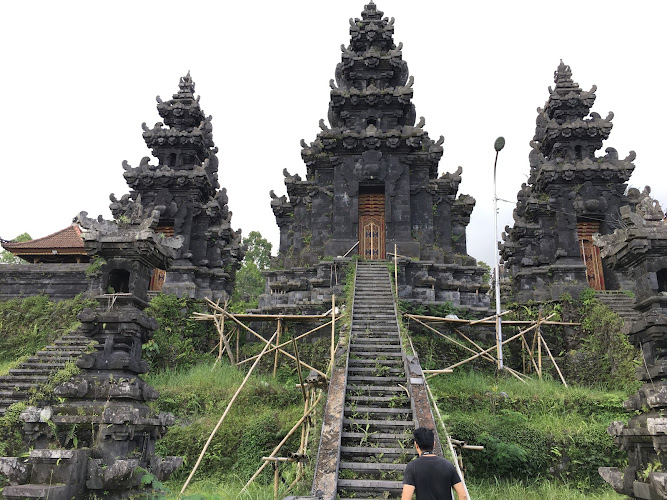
(429,476)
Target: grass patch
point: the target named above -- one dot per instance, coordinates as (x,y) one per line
(544,490)
(539,430)
(264,412)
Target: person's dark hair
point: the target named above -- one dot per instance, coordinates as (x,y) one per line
(424,438)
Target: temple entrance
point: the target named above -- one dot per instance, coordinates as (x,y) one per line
(371,223)
(590,254)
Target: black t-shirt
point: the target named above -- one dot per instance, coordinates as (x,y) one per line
(432,477)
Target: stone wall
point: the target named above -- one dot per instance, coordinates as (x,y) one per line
(58,281)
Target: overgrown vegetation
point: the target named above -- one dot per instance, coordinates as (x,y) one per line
(249,279)
(263,413)
(179,341)
(27,325)
(535,431)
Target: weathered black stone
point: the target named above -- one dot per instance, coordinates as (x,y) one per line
(183,187)
(568,184)
(637,254)
(374,145)
(105,403)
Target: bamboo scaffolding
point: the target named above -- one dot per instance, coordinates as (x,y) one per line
(486,351)
(333,332)
(487,357)
(490,323)
(229,405)
(233,318)
(273,344)
(275,361)
(289,341)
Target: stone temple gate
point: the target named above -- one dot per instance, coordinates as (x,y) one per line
(372,180)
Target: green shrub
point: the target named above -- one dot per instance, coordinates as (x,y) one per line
(179,340)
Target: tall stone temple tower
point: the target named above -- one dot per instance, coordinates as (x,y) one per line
(372,178)
(183,187)
(571,194)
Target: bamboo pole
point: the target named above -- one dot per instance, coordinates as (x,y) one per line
(539,346)
(229,405)
(238,334)
(277,448)
(553,360)
(489,323)
(220,324)
(275,360)
(486,351)
(532,358)
(488,318)
(276,476)
(396,269)
(333,330)
(298,368)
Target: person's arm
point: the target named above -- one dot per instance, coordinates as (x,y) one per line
(460,491)
(408,490)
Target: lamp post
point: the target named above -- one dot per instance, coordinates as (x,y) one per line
(498,145)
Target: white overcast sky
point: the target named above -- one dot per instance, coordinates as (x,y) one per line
(79,78)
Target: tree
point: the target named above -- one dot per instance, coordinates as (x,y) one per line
(259,250)
(7,257)
(249,279)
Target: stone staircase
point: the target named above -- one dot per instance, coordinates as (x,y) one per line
(36,370)
(620,303)
(376,441)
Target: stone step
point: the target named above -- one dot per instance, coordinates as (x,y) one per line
(377,380)
(366,467)
(371,399)
(372,369)
(25,491)
(370,451)
(30,371)
(50,358)
(7,401)
(369,486)
(39,366)
(377,436)
(351,389)
(377,424)
(373,326)
(58,352)
(363,362)
(354,346)
(374,354)
(12,396)
(380,412)
(393,339)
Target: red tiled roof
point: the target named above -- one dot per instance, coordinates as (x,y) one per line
(65,241)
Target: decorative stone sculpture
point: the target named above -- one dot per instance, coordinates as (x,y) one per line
(183,187)
(638,254)
(372,178)
(101,439)
(571,194)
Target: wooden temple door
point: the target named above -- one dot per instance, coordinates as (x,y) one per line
(159,275)
(371,226)
(590,254)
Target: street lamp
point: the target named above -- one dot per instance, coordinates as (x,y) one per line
(498,145)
